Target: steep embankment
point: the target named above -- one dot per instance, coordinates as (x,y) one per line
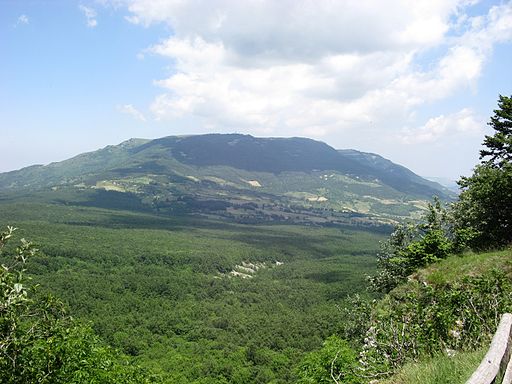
(450,311)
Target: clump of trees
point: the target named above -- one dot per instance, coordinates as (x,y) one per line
(40,342)
(485,203)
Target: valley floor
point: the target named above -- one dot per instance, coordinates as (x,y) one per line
(163,289)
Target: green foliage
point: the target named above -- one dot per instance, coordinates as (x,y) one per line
(159,289)
(72,354)
(485,206)
(335,362)
(354,317)
(499,146)
(412,246)
(40,343)
(421,319)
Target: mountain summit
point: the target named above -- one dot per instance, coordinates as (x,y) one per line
(225,171)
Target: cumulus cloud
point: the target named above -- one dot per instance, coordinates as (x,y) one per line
(301,30)
(313,67)
(90,15)
(129,109)
(463,122)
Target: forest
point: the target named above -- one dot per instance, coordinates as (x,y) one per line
(160,290)
(99,295)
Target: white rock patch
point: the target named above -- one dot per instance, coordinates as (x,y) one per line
(253,183)
(247,270)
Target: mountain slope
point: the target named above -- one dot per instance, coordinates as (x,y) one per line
(395,175)
(276,155)
(217,172)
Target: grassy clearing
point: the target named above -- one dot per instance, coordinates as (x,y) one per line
(439,370)
(472,264)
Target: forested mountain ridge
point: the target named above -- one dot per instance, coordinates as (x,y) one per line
(220,172)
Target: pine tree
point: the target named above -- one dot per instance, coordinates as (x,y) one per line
(499,146)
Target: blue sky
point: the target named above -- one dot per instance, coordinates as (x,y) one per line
(413,81)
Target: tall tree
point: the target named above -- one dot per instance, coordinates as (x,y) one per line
(485,203)
(499,146)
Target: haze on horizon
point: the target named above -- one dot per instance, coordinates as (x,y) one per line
(414,82)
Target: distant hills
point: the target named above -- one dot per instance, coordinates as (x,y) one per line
(240,177)
(451,184)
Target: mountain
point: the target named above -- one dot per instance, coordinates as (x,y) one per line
(232,175)
(451,184)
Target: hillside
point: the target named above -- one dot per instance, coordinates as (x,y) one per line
(240,177)
(447,278)
(434,328)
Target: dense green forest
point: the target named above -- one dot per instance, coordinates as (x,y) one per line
(173,298)
(162,290)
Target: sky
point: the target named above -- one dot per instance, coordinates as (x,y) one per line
(414,81)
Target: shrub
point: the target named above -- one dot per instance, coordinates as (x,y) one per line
(421,319)
(412,246)
(335,362)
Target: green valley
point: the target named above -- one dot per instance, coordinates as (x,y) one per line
(214,258)
(163,291)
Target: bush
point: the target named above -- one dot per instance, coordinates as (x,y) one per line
(335,362)
(421,319)
(412,246)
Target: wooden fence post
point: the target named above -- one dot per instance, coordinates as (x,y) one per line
(497,360)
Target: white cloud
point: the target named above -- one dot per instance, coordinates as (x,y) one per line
(90,15)
(318,68)
(23,20)
(463,122)
(129,109)
(266,30)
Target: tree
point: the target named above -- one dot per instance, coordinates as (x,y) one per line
(335,362)
(485,206)
(40,342)
(499,146)
(412,246)
(485,203)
